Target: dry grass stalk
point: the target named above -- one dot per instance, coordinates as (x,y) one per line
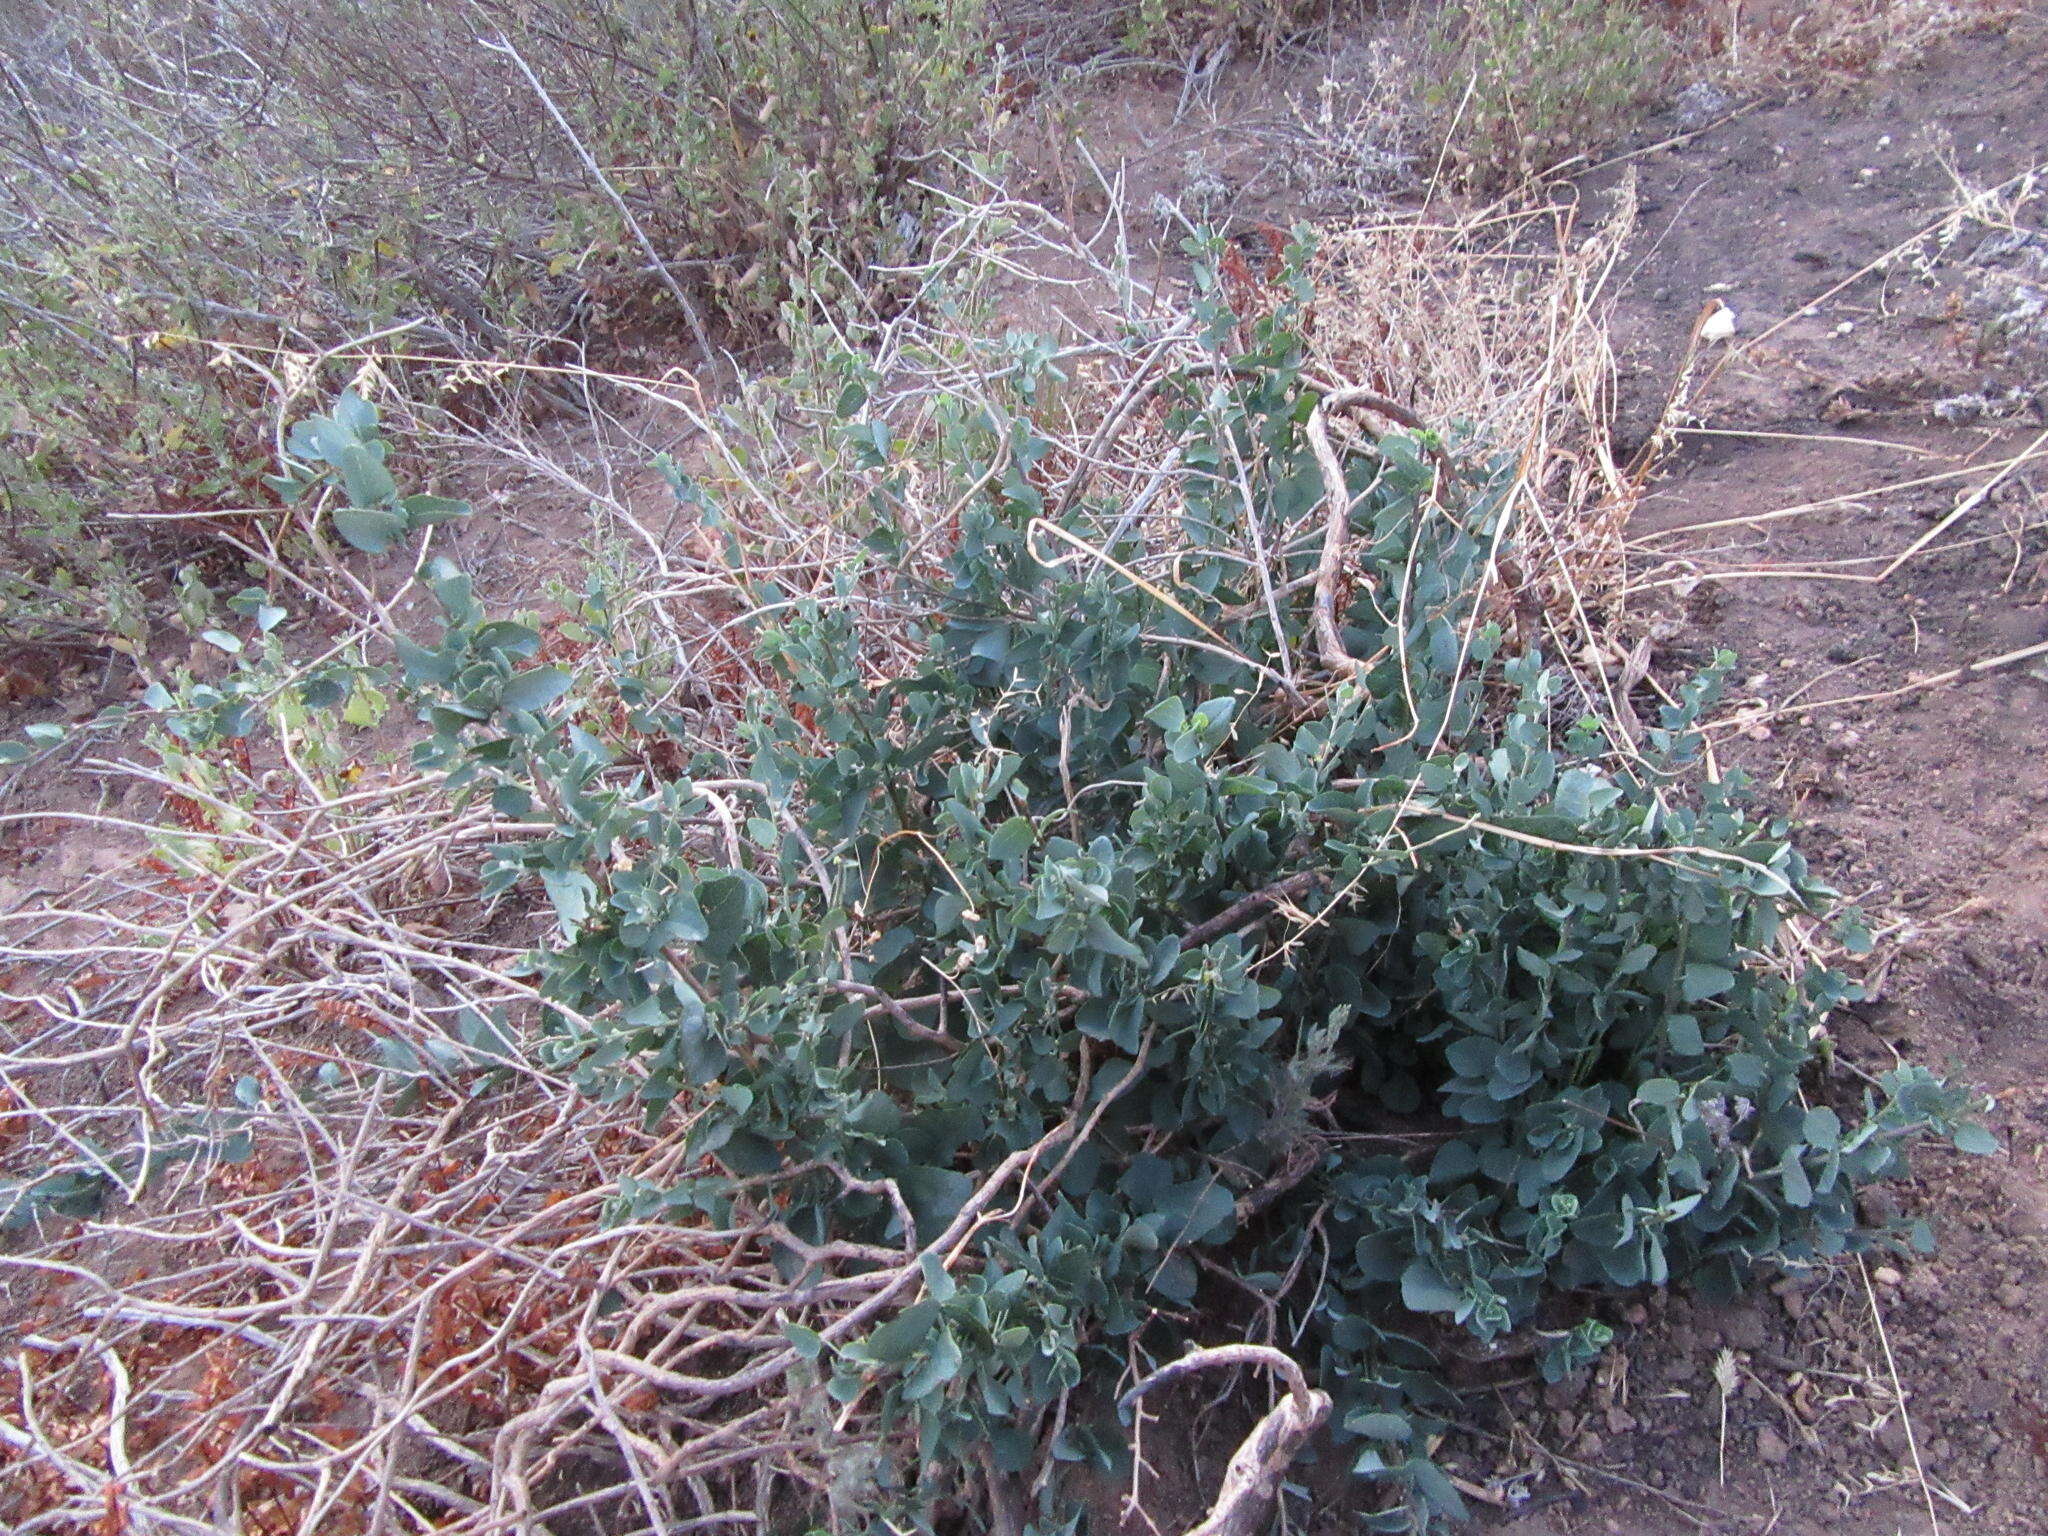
(1493,325)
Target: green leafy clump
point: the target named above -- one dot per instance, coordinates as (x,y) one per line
(1415,1005)
(345,450)
(1519,86)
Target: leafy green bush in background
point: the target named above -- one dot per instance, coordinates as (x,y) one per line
(1155,25)
(1410,1007)
(1517,86)
(279,184)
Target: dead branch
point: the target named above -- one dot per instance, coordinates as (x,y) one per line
(1337,504)
(1252,1480)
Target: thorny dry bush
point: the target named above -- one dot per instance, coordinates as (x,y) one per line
(311,1239)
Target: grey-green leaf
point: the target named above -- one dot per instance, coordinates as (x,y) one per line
(535,689)
(1424,1290)
(897,1340)
(1702,981)
(368,482)
(370,529)
(1975,1139)
(1012,840)
(1379,1426)
(422,510)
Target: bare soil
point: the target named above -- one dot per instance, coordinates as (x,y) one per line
(1928,805)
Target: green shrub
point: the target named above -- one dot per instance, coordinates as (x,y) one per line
(1166,25)
(205,200)
(1519,85)
(1415,983)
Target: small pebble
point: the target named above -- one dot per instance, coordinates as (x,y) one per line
(1879,1205)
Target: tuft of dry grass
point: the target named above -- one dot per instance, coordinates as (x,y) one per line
(1492,324)
(1841,44)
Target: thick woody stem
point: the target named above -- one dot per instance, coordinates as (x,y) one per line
(1252,1480)
(1337,514)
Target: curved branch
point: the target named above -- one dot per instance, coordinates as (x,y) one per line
(1337,515)
(1250,909)
(1252,1480)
